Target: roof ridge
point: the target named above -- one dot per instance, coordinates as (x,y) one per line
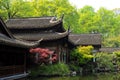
(32,17)
(26,23)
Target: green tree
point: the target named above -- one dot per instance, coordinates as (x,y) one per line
(10,8)
(112,41)
(81,55)
(106,21)
(86,20)
(57,8)
(37,8)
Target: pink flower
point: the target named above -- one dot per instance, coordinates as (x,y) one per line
(43,55)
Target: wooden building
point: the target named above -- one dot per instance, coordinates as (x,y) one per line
(13,54)
(49,29)
(86,39)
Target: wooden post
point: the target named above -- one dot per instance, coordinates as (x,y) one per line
(25,62)
(59,53)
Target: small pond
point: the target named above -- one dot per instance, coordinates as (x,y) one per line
(98,76)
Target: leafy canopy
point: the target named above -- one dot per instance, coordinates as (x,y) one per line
(82,55)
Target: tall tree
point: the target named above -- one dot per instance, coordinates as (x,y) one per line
(86,19)
(10,7)
(57,8)
(106,21)
(15,8)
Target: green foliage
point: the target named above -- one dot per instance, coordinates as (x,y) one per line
(112,42)
(55,69)
(117,53)
(74,67)
(37,8)
(84,20)
(11,7)
(81,55)
(103,21)
(105,60)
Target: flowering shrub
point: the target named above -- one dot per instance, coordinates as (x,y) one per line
(43,55)
(82,55)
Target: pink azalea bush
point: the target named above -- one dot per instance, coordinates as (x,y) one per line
(44,55)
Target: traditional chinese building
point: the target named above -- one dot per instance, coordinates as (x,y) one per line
(49,29)
(13,54)
(86,39)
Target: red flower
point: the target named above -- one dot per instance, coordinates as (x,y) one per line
(43,55)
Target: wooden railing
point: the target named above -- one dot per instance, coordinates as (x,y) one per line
(11,70)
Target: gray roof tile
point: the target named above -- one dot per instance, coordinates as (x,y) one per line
(25,23)
(17,43)
(44,36)
(6,38)
(109,49)
(85,39)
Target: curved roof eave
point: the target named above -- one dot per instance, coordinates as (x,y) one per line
(17,43)
(37,36)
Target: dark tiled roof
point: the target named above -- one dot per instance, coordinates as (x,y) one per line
(6,38)
(85,39)
(4,30)
(17,43)
(30,23)
(109,49)
(44,36)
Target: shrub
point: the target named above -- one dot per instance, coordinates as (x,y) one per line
(117,58)
(42,55)
(105,60)
(74,67)
(55,69)
(117,53)
(81,55)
